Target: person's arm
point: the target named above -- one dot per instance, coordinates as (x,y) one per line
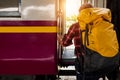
(67,38)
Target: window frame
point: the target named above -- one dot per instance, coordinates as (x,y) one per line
(16,13)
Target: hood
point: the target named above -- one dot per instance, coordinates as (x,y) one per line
(93,15)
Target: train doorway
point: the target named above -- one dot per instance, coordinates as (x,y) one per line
(71,12)
(67,15)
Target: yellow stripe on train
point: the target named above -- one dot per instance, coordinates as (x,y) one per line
(31,29)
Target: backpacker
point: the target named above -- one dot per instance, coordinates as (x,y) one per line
(99,39)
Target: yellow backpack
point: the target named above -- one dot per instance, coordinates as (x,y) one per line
(101,34)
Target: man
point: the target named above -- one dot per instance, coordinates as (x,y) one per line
(74,33)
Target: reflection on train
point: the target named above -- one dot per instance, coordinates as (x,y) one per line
(28,35)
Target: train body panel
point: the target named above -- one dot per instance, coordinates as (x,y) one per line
(28,42)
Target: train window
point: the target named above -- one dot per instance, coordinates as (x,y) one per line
(10,8)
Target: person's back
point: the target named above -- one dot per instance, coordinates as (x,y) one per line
(102,36)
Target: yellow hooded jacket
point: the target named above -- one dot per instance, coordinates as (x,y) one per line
(101,35)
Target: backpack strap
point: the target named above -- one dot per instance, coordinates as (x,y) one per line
(86,40)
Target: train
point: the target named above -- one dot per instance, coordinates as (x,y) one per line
(28,34)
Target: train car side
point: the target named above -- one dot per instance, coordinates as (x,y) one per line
(28,42)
